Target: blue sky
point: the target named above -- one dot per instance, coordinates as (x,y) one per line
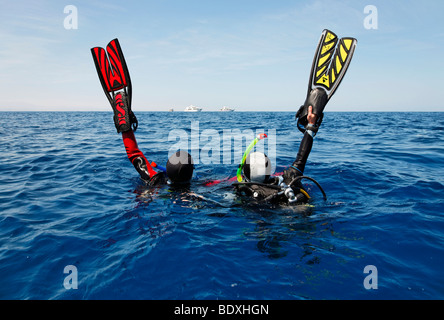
(248,54)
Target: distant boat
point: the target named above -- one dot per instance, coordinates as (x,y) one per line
(192,109)
(170,110)
(226,109)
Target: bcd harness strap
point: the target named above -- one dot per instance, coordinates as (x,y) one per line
(279,189)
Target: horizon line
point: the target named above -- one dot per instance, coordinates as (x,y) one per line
(218,111)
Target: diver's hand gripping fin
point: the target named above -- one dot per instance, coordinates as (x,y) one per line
(330,63)
(116,83)
(124,118)
(317,98)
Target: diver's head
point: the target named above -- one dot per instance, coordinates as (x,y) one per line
(179,167)
(257,167)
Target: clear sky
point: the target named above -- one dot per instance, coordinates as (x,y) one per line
(248,54)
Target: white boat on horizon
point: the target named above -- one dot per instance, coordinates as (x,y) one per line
(192,108)
(226,109)
(171,110)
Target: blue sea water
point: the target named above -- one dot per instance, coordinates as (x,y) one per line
(70,197)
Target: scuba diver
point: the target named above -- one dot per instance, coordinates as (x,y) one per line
(116,83)
(330,63)
(255,179)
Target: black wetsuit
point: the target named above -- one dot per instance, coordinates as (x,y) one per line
(272,191)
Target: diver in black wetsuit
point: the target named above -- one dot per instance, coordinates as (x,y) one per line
(330,63)
(116,83)
(279,189)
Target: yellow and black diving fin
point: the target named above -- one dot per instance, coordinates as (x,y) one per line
(330,63)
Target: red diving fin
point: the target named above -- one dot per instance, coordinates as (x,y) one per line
(114,77)
(112,70)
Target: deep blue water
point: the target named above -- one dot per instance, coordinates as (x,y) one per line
(69,196)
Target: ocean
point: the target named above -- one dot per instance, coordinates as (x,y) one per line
(77,222)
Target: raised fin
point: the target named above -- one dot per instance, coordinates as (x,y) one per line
(112,70)
(330,63)
(341,61)
(324,53)
(116,83)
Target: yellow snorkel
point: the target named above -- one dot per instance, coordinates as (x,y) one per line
(244,158)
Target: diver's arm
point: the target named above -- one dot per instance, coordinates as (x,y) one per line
(136,156)
(298,166)
(303,152)
(306,143)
